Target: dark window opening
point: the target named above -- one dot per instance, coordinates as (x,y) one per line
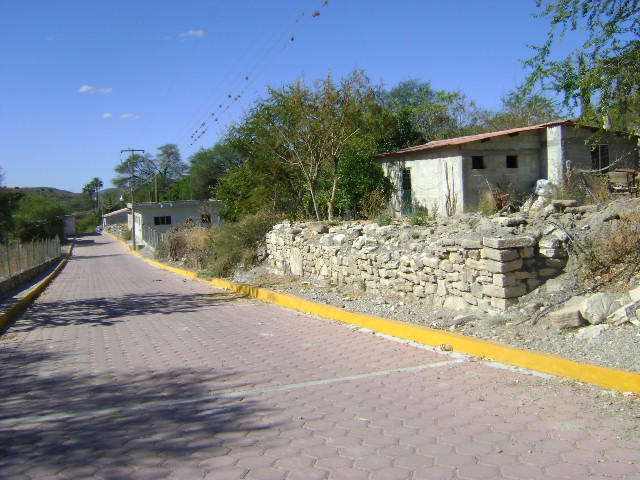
(162,220)
(600,157)
(477,162)
(512,161)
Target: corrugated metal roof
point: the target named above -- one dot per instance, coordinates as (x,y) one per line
(480,136)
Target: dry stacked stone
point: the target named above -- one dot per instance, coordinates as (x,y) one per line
(487,272)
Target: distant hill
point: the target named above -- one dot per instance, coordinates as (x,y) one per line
(46,192)
(72,202)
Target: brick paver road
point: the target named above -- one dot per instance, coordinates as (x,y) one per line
(122,370)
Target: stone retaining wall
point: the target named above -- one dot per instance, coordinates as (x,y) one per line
(487,272)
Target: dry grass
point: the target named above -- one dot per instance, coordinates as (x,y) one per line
(612,254)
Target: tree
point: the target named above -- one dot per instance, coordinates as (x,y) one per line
(312,126)
(38,218)
(92,189)
(601,76)
(433,114)
(130,176)
(152,177)
(359,176)
(208,166)
(522,109)
(9,200)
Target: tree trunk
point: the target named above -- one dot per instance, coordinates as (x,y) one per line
(331,203)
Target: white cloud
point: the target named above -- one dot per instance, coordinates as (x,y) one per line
(91,90)
(193,33)
(107,115)
(129,115)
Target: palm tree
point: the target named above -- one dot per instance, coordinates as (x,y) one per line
(93,190)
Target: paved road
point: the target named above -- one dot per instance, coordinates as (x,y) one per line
(122,370)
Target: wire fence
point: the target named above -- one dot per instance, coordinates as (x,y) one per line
(18,257)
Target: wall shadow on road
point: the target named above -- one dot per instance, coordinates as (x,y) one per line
(53,419)
(108,311)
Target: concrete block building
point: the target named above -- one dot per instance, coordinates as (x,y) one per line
(450,176)
(161,216)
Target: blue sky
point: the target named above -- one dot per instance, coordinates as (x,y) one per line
(82,80)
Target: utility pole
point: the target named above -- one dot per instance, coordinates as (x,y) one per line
(133,211)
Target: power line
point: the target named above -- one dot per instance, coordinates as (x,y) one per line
(259,66)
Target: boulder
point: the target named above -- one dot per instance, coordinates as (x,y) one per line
(568,317)
(598,307)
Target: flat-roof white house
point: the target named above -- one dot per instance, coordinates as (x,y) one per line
(451,175)
(159,217)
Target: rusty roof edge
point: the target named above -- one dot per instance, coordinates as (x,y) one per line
(481,136)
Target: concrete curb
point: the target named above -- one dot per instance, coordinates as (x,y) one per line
(18,306)
(605,377)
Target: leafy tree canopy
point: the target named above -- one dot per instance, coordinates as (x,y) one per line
(38,218)
(208,165)
(602,75)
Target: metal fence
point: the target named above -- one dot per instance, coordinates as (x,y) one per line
(18,257)
(151,236)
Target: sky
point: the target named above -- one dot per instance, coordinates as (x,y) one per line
(82,80)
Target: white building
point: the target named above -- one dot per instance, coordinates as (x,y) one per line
(451,175)
(158,217)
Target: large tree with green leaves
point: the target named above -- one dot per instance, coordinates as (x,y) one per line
(311,126)
(601,76)
(433,114)
(207,166)
(36,218)
(521,108)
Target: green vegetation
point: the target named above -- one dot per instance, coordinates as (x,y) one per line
(601,76)
(217,251)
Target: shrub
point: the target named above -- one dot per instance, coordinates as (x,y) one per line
(384,218)
(612,254)
(237,244)
(487,203)
(373,204)
(420,217)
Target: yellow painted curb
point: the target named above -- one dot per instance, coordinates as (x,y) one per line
(606,377)
(17,307)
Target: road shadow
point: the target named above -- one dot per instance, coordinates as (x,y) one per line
(72,424)
(108,311)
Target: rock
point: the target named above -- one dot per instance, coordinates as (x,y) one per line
(513,242)
(508,221)
(598,307)
(624,314)
(562,204)
(635,294)
(592,331)
(462,319)
(568,317)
